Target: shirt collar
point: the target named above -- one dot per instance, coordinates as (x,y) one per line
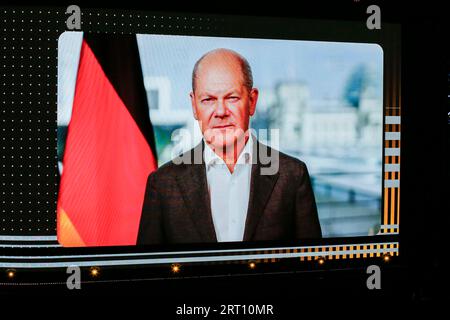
(245,157)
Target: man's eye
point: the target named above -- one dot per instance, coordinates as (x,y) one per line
(233,98)
(207,100)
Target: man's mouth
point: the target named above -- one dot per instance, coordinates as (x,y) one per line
(223,126)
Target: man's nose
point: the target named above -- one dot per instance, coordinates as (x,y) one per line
(221,109)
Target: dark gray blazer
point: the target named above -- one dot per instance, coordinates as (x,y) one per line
(177,205)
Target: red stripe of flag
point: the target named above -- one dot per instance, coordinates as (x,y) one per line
(106,164)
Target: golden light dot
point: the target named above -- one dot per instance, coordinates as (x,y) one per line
(386,257)
(252,265)
(95,272)
(176,268)
(11,274)
(321,260)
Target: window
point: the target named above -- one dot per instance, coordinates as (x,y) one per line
(153,99)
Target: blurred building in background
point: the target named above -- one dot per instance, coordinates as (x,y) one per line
(340,140)
(288,115)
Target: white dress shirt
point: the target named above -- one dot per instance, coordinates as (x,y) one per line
(229,192)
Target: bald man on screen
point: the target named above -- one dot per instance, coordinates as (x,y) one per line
(230,187)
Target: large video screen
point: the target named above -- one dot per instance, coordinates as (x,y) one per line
(166,139)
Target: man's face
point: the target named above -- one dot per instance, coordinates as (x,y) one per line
(221,102)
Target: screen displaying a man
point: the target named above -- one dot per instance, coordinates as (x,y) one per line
(222,192)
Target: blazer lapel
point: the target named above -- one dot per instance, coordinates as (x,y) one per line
(194,189)
(261,187)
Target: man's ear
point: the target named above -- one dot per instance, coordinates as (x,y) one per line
(253,100)
(194,105)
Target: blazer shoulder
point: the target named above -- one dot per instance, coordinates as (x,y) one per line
(173,167)
(287,164)
(292,166)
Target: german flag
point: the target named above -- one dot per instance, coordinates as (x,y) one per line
(110,149)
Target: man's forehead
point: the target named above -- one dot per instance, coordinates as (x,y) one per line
(219,70)
(221,56)
(219,79)
(220,90)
